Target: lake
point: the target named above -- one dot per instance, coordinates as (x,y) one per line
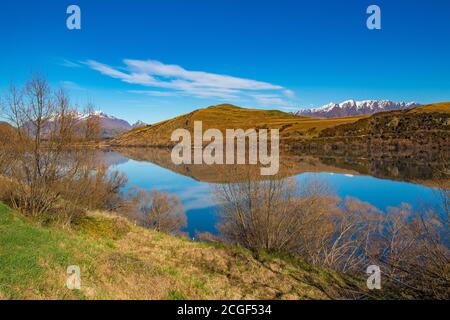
(381,182)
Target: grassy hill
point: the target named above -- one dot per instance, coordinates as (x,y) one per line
(433,117)
(5,127)
(119,260)
(422,132)
(293,129)
(229,117)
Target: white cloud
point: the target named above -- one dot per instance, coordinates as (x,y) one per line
(289,109)
(70,85)
(176,80)
(69,64)
(271,100)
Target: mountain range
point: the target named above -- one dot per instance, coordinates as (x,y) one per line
(354,108)
(110,126)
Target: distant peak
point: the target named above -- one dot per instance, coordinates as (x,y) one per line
(352,108)
(139,123)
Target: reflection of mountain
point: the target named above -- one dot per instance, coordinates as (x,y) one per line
(427,170)
(111,158)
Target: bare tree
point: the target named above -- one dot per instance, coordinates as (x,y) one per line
(270,215)
(47,172)
(158,211)
(412,248)
(91,127)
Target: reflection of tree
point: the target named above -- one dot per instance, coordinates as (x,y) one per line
(346,235)
(157,211)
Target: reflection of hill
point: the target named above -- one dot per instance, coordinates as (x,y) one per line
(111,158)
(423,170)
(289,166)
(426,170)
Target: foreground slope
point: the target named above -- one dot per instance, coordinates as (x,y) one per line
(227,116)
(121,261)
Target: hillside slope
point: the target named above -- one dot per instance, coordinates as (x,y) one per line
(229,117)
(433,117)
(408,133)
(121,261)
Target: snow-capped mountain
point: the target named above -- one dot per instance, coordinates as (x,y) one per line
(139,123)
(110,126)
(354,108)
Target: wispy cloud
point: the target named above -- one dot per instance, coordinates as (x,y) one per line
(70,85)
(271,100)
(176,80)
(70,64)
(290,109)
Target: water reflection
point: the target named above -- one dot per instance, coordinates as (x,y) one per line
(382,182)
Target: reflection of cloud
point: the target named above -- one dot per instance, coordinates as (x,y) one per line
(349,175)
(196,197)
(176,80)
(193,195)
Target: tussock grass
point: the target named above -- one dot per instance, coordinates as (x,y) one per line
(435,107)
(121,261)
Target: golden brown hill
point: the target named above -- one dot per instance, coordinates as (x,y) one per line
(432,117)
(422,131)
(5,126)
(227,116)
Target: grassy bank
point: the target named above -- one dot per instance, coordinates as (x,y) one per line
(121,261)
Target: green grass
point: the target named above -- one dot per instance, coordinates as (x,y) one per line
(30,254)
(121,261)
(176,295)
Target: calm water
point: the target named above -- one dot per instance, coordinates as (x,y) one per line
(149,172)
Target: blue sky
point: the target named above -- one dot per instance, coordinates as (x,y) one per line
(152,60)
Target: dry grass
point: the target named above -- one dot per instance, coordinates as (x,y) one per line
(121,261)
(435,107)
(227,116)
